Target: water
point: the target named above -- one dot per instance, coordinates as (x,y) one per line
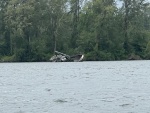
(81,87)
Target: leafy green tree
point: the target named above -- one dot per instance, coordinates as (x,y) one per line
(98,21)
(134,29)
(18,18)
(4,35)
(31,30)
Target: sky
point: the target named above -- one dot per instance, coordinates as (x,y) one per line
(119,3)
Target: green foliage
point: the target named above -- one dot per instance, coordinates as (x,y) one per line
(147,51)
(7,59)
(99,56)
(31,30)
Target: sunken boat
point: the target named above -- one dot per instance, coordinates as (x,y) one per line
(61,57)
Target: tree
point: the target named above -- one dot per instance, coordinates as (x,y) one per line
(134,30)
(4,38)
(18,18)
(75,7)
(31,30)
(98,21)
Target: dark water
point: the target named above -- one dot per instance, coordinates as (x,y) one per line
(82,87)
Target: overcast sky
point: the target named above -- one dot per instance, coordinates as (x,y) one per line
(119,4)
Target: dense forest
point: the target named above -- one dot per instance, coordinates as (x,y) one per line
(31,30)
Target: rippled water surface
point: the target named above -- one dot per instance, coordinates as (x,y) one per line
(81,87)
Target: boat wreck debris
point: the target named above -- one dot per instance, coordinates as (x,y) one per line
(61,57)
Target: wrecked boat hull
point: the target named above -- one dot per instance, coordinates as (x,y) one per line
(61,57)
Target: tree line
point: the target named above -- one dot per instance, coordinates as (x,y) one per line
(31,30)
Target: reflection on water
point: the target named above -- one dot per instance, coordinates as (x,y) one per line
(82,87)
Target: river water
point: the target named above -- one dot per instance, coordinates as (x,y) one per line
(75,87)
